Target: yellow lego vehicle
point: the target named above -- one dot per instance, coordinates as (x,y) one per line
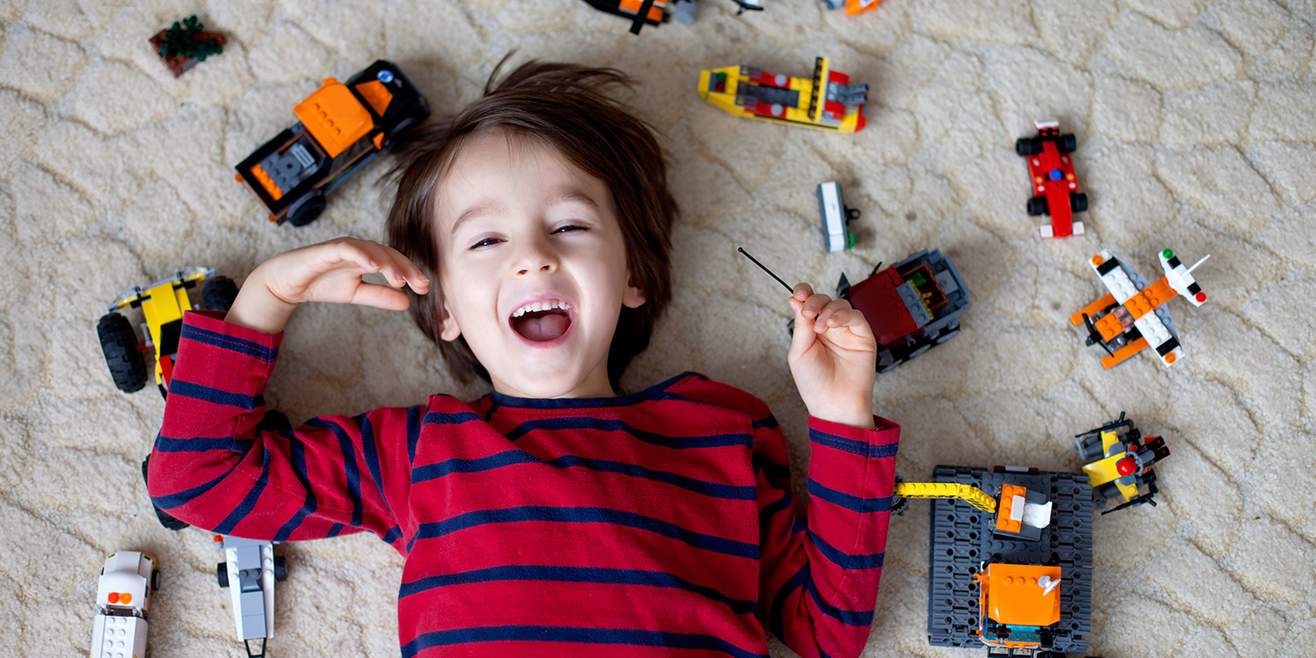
(162,304)
(340,127)
(826,100)
(1118,461)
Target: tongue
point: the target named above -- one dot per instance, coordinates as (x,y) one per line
(542,328)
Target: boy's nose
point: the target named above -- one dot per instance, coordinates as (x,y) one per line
(546,267)
(535,256)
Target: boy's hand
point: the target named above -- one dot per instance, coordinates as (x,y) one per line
(833,357)
(325,272)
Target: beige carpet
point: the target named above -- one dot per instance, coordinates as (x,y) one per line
(1196,131)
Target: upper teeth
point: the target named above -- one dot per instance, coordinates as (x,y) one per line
(541,306)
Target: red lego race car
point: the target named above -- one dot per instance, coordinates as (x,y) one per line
(1055,187)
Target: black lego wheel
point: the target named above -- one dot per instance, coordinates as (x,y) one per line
(307,210)
(397,137)
(155,580)
(221,574)
(1027,146)
(1067,143)
(119,343)
(1078,202)
(280,568)
(1037,206)
(219,293)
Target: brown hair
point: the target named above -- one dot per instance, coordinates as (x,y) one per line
(565,106)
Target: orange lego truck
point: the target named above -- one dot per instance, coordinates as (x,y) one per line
(339,128)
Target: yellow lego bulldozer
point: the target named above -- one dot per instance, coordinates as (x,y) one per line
(163,304)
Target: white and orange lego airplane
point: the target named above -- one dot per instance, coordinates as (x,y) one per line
(1129,318)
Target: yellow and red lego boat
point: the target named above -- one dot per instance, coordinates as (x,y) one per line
(825,100)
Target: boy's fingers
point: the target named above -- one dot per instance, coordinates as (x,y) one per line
(351,252)
(405,270)
(381,297)
(802,335)
(801,291)
(386,262)
(827,318)
(855,322)
(391,274)
(814,305)
(411,271)
(414,277)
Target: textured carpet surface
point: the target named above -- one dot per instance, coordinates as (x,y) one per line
(1196,131)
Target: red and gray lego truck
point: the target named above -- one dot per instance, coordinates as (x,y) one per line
(911,306)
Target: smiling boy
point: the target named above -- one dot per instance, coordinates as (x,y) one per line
(552,516)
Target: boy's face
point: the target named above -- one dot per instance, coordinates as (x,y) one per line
(520,228)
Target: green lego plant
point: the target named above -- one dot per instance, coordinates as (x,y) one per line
(184,39)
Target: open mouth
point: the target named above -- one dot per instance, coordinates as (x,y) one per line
(542,322)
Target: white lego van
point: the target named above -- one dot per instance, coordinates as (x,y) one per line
(123,597)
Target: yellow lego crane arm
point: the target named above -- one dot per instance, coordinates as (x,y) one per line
(968,493)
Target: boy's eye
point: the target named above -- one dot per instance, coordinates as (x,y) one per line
(570,227)
(485,243)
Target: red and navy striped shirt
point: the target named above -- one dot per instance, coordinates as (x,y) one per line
(655,523)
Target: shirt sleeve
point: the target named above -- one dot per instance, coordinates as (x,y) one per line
(821,563)
(225,463)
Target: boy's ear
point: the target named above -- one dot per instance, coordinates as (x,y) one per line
(448,329)
(633,297)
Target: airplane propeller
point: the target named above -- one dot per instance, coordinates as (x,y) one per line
(1094,336)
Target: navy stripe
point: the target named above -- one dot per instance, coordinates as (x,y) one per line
(511,457)
(351,471)
(574,575)
(231,343)
(883,450)
(439,418)
(845,560)
(202,444)
(184,497)
(851,617)
(488,412)
(800,525)
(861,448)
(652,393)
(449,466)
(297,453)
(767,421)
(771,509)
(852,503)
(616,636)
(610,425)
(587,515)
(213,395)
(392,535)
(249,501)
(779,475)
(370,450)
(335,530)
(779,599)
(413,433)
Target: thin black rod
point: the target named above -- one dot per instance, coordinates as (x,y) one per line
(765,269)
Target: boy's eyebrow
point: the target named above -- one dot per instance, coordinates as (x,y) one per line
(490,206)
(573,194)
(484,207)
